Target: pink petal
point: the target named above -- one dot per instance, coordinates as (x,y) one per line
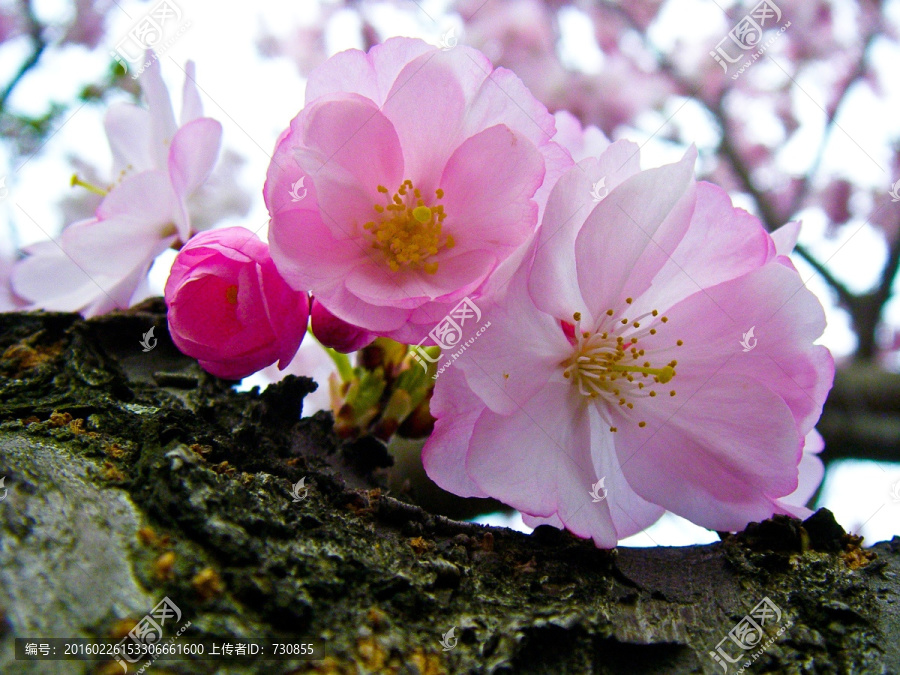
(349,308)
(787,318)
(444,454)
(191,105)
(714,457)
(785,237)
(287,311)
(722,243)
(348,149)
(334,333)
(811,470)
(502,98)
(581,143)
(554,288)
(544,467)
(427,106)
(371,75)
(308,255)
(128,129)
(372,281)
(192,156)
(518,334)
(488,184)
(634,229)
(162,117)
(629,511)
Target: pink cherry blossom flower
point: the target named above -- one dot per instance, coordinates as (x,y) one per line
(616,354)
(229,308)
(99,264)
(335,333)
(408,178)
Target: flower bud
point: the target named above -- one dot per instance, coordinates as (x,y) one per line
(336,333)
(229,307)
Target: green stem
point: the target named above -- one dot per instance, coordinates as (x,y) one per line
(341,361)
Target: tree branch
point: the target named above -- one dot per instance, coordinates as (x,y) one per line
(133,476)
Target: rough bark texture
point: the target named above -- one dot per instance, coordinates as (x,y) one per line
(132,476)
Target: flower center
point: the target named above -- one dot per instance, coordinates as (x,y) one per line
(607,364)
(408,231)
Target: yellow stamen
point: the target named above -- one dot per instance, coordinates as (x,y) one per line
(601,357)
(409,232)
(87,186)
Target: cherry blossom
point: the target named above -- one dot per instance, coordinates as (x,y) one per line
(100,263)
(228,306)
(616,354)
(408,178)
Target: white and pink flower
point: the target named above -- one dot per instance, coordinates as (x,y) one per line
(421,173)
(615,353)
(99,264)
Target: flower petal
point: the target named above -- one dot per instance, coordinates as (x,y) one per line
(537,460)
(785,238)
(348,148)
(191,105)
(162,117)
(518,334)
(718,457)
(128,129)
(488,187)
(192,157)
(722,243)
(371,75)
(444,454)
(635,229)
(630,512)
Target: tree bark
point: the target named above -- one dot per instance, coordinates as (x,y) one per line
(134,476)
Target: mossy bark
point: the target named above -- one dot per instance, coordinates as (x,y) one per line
(132,476)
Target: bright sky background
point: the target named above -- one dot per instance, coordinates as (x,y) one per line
(255,98)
